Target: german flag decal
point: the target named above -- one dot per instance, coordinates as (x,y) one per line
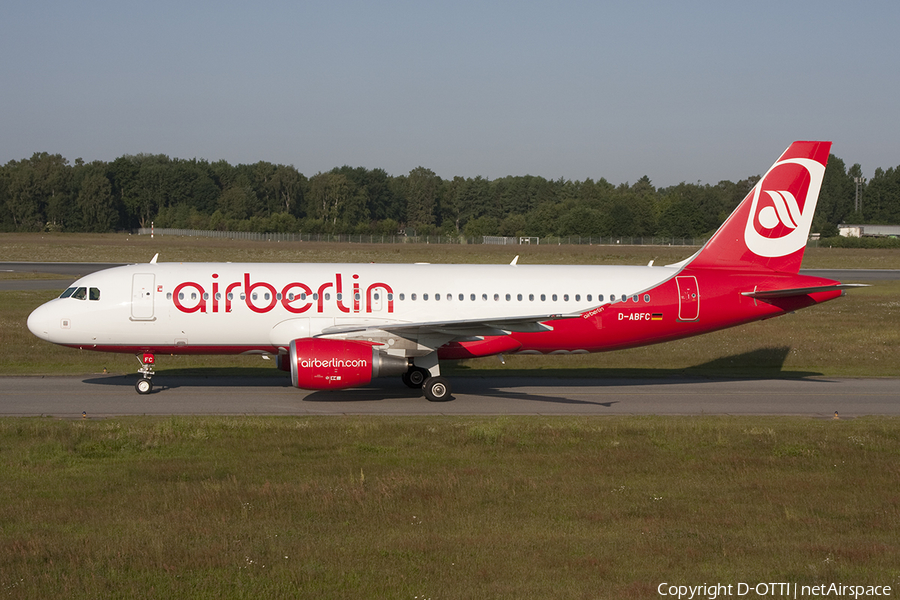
(656,317)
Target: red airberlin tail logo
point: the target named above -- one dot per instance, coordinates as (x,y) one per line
(783,205)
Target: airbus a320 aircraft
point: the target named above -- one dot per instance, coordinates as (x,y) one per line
(341,325)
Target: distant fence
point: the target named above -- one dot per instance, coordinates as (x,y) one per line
(573,240)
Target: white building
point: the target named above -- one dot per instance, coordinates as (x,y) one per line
(869,230)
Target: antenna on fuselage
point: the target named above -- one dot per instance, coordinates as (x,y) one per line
(515,260)
(153,260)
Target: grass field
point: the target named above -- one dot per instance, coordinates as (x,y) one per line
(442,507)
(508,507)
(131,248)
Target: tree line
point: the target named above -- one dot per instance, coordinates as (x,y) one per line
(47,193)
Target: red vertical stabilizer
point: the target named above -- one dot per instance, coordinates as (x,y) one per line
(769,229)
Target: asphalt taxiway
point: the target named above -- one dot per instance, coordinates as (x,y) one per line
(113,395)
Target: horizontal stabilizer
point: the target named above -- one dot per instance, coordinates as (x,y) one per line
(763,294)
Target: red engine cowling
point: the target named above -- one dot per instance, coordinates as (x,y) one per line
(322,364)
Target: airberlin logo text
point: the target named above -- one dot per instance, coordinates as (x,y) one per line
(332,363)
(295,297)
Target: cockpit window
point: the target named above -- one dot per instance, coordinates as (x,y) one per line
(81,293)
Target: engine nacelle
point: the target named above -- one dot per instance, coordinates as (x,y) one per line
(322,364)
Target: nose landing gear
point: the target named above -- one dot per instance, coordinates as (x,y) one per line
(144,385)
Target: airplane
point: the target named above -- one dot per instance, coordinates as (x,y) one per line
(335,326)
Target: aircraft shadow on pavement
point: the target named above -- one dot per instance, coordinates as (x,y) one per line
(762,363)
(176,378)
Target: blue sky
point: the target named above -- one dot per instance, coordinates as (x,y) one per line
(678,91)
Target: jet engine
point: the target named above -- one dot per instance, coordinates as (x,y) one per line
(323,364)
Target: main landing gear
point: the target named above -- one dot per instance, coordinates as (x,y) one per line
(144,385)
(436,389)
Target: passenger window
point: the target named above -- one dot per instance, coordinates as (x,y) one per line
(67,293)
(577,297)
(507,297)
(496,297)
(94,294)
(599,297)
(412,297)
(437,297)
(471,297)
(646,297)
(636,298)
(612,297)
(519,297)
(543,297)
(169,296)
(484,297)
(553,297)
(402,297)
(425,297)
(531,297)
(566,297)
(589,297)
(80,293)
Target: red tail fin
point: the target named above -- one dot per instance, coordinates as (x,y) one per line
(769,228)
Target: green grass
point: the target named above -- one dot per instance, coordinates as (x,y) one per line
(857,335)
(46,247)
(510,507)
(442,507)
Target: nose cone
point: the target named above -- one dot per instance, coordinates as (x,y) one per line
(39,322)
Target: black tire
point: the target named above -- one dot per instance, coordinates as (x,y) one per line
(143,386)
(437,389)
(415,377)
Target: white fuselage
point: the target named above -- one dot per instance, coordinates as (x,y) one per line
(235,307)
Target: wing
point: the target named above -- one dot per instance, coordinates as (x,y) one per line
(464,328)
